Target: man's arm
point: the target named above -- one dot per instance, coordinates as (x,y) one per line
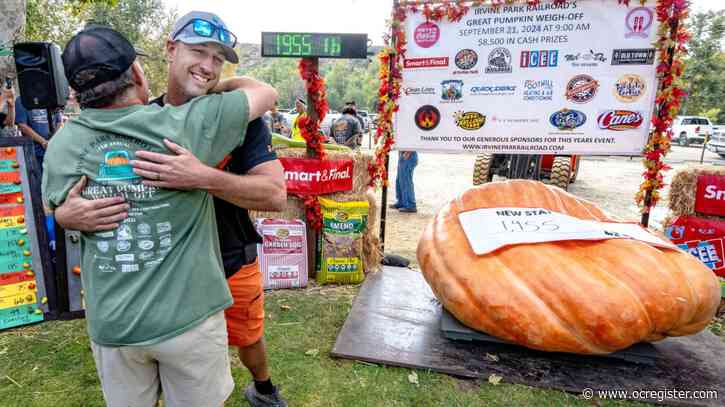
(9,96)
(260,96)
(29,132)
(78,213)
(262,188)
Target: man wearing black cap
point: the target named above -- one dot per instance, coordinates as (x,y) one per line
(254,179)
(153,279)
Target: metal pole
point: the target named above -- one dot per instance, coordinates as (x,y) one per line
(660,113)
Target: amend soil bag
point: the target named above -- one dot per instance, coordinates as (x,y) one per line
(340,245)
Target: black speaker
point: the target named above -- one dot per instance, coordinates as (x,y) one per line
(41,78)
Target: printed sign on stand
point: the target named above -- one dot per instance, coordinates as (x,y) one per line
(703,238)
(571,77)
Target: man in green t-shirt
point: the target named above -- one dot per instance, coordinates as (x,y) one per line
(154,287)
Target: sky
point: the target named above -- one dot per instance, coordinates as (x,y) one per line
(248,18)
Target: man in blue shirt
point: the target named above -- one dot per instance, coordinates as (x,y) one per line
(34,124)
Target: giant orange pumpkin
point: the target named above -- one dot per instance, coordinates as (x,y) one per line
(587,297)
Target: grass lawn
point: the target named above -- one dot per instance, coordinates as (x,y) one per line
(51,365)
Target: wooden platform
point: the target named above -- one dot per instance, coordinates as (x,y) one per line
(396,321)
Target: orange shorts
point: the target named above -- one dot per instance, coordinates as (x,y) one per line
(245,318)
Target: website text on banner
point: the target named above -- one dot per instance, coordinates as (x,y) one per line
(578,77)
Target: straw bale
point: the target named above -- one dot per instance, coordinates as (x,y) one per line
(684,188)
(295,208)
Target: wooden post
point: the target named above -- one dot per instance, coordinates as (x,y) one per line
(312,234)
(660,112)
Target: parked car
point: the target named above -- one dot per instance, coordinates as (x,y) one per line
(690,129)
(717,140)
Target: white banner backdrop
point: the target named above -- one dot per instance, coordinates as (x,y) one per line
(578,78)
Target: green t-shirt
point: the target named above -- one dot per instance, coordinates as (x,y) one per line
(160,272)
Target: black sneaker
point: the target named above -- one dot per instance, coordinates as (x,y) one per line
(408,210)
(257,399)
(394,206)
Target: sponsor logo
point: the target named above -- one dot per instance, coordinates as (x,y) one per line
(499,61)
(341,216)
(107,268)
(282,233)
(637,56)
(103,246)
(419,90)
(469,120)
(125,257)
(493,90)
(105,234)
(427,34)
(432,62)
(581,89)
(144,229)
(145,255)
(537,91)
(123,246)
(567,120)
(129,268)
(629,88)
(452,90)
(585,59)
(165,241)
(466,60)
(620,120)
(124,232)
(427,117)
(539,59)
(146,245)
(638,22)
(163,227)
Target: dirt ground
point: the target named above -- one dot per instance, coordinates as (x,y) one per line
(610,182)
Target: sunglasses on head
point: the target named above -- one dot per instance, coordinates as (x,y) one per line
(205,28)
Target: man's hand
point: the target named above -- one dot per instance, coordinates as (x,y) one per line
(180,171)
(9,96)
(78,213)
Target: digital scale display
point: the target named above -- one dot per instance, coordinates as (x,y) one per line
(301,45)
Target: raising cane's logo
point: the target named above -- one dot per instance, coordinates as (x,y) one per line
(620,120)
(427,34)
(427,117)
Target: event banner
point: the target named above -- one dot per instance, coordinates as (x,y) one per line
(703,238)
(576,77)
(306,176)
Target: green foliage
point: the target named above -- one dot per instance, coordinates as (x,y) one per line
(146,23)
(344,79)
(703,78)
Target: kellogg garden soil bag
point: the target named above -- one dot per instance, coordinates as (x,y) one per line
(340,246)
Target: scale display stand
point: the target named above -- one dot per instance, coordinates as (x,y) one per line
(27,281)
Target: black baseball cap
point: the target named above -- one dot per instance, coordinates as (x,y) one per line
(97,55)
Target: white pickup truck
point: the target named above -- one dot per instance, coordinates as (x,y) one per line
(690,129)
(717,141)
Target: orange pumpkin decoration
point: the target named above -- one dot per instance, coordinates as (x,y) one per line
(587,297)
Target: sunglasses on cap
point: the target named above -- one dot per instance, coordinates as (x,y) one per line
(206,29)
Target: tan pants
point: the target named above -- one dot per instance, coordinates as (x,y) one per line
(192,369)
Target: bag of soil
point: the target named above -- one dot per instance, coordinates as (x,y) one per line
(340,244)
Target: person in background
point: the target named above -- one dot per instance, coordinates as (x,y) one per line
(7,111)
(301,108)
(33,123)
(346,130)
(404,187)
(277,123)
(351,104)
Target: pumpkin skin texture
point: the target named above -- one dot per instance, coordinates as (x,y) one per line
(586,297)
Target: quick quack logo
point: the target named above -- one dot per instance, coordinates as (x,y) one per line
(452,91)
(427,117)
(567,120)
(469,120)
(493,90)
(116,167)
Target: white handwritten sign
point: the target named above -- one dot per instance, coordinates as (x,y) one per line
(490,229)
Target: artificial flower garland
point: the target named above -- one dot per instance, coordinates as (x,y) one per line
(671,40)
(310,131)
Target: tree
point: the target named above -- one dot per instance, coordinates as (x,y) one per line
(703,77)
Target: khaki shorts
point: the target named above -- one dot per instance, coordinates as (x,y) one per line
(192,369)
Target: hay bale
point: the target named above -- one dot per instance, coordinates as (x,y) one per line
(684,189)
(295,208)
